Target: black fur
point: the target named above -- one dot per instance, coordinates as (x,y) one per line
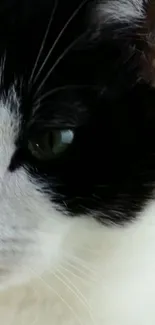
(110,167)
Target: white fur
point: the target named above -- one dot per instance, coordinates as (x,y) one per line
(67,271)
(125,11)
(116,278)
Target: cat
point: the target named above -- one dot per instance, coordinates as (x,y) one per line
(77,162)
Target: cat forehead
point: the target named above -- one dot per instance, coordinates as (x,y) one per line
(124,11)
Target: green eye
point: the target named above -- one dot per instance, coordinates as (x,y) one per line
(51,145)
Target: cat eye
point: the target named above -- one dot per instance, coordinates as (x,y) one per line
(51,145)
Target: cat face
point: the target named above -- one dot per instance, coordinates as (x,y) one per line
(76,123)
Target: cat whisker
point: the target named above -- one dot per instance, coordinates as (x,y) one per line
(83,265)
(58,38)
(43,42)
(72,288)
(82,279)
(50,288)
(62,88)
(81,272)
(64,53)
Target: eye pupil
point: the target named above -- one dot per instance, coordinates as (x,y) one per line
(51,145)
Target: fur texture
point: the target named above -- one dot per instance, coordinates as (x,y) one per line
(77,226)
(125,11)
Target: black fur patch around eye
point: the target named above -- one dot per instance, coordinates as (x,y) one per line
(92,85)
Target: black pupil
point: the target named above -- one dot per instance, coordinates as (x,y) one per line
(51,140)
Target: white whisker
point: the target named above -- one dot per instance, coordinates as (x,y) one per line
(77,292)
(34,322)
(50,288)
(55,90)
(82,263)
(83,270)
(74,287)
(44,41)
(58,38)
(82,279)
(58,61)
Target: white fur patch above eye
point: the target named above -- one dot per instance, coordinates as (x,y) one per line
(124,11)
